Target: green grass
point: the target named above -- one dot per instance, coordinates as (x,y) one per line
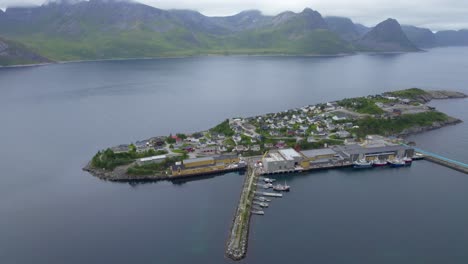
(223,128)
(142,42)
(362,105)
(396,125)
(108,159)
(153,168)
(411,93)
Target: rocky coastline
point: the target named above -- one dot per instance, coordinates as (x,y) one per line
(119,174)
(439,95)
(436,125)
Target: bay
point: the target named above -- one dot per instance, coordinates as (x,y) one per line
(54,118)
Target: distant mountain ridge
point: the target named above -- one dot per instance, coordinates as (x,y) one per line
(386,36)
(106,29)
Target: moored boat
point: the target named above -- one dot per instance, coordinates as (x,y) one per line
(408,161)
(362,164)
(268,180)
(281,188)
(396,163)
(379,163)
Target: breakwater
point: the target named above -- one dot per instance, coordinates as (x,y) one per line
(236,246)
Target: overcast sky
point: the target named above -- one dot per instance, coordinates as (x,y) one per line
(434,14)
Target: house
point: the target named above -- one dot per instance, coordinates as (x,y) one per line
(280,144)
(255,148)
(240,148)
(237,138)
(208,150)
(268,145)
(343,134)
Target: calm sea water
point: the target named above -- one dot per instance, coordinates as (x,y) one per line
(54,118)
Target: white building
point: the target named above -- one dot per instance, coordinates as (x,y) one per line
(153,159)
(282,160)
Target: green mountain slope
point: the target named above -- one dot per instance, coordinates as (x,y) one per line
(13,53)
(101,29)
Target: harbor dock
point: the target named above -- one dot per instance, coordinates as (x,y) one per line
(236,247)
(277,195)
(446,162)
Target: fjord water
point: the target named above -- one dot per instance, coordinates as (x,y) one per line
(54,118)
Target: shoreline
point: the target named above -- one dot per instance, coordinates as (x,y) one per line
(119,173)
(336,55)
(181,57)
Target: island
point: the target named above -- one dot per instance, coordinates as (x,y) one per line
(362,132)
(330,129)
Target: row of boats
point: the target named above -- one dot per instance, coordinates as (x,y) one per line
(276,187)
(396,162)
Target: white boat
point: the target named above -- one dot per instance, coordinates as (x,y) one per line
(281,188)
(362,164)
(379,163)
(268,180)
(396,163)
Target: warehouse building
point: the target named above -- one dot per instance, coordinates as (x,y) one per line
(204,165)
(282,160)
(317,154)
(356,152)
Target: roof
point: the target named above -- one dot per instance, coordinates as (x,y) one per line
(222,157)
(274,157)
(188,161)
(318,152)
(357,149)
(289,154)
(153,158)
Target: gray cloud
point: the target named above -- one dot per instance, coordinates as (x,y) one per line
(434,14)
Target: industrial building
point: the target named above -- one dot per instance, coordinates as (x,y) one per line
(206,165)
(282,160)
(317,154)
(383,152)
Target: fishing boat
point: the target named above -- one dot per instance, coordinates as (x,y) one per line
(408,161)
(379,163)
(362,164)
(396,163)
(263,199)
(281,188)
(268,180)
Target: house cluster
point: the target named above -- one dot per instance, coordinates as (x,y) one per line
(311,122)
(255,135)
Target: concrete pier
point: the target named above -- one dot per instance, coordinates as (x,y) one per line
(236,247)
(278,195)
(446,162)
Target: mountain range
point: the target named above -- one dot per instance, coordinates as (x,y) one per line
(106,29)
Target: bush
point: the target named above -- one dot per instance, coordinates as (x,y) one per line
(408,93)
(223,128)
(109,160)
(361,105)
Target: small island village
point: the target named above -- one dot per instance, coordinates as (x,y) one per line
(360,133)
